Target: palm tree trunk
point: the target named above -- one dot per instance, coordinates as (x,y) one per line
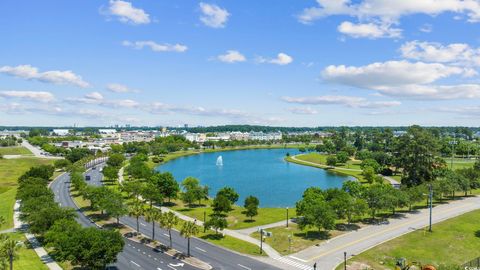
(138,227)
(11,262)
(153,230)
(188,246)
(170,236)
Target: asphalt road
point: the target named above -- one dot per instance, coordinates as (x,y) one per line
(217,257)
(134,255)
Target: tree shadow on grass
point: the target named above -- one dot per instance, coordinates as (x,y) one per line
(212,237)
(477,233)
(346,227)
(313,235)
(113,225)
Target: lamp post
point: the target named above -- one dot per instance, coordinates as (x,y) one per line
(345,260)
(287,216)
(204,221)
(261,241)
(431,199)
(453,143)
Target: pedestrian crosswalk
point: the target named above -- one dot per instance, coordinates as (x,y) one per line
(293,263)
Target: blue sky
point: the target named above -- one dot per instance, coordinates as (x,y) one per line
(282,63)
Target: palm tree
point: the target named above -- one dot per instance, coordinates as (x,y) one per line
(9,248)
(168,221)
(153,215)
(136,210)
(189,229)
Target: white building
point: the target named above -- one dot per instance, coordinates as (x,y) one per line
(61,132)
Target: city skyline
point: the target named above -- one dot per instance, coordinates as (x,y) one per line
(293,63)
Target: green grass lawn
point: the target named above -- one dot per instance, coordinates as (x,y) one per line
(345,169)
(459,163)
(300,239)
(27,258)
(236,219)
(453,242)
(14,150)
(10,170)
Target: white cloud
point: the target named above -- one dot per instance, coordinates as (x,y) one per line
(127,13)
(391,73)
(390,10)
(54,76)
(301,110)
(155,46)
(459,53)
(232,56)
(162,108)
(369,30)
(349,101)
(96,98)
(28,95)
(213,15)
(281,59)
(446,92)
(120,88)
(387,11)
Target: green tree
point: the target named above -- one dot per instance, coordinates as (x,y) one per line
(136,210)
(189,229)
(375,196)
(315,210)
(114,205)
(331,161)
(251,206)
(193,191)
(229,193)
(60,238)
(168,221)
(110,172)
(221,205)
(62,163)
(153,215)
(151,193)
(166,184)
(342,157)
(9,247)
(116,160)
(97,248)
(216,222)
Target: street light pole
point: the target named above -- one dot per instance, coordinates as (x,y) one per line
(287,216)
(345,260)
(261,241)
(431,199)
(204,221)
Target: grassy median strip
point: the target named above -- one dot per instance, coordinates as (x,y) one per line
(459,236)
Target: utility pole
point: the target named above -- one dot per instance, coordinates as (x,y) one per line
(453,151)
(431,199)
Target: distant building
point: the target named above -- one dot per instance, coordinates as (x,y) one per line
(107,131)
(61,132)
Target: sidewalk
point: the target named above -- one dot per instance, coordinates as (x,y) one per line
(41,252)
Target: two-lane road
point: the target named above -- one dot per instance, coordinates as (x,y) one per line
(134,255)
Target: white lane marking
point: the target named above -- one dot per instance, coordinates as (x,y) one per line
(142,224)
(244,267)
(177,265)
(172,267)
(296,258)
(158,268)
(293,263)
(135,263)
(166,235)
(201,249)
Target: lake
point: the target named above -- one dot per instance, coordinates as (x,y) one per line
(262,173)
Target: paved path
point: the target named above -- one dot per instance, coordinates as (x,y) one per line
(251,230)
(330,254)
(392,181)
(37,247)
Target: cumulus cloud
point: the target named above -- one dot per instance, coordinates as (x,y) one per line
(127,13)
(213,15)
(232,56)
(156,47)
(281,59)
(96,98)
(459,53)
(386,11)
(349,101)
(54,76)
(369,30)
(390,73)
(120,88)
(303,110)
(28,95)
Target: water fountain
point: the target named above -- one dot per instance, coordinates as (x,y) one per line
(219,161)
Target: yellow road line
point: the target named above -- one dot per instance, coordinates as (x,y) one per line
(381,232)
